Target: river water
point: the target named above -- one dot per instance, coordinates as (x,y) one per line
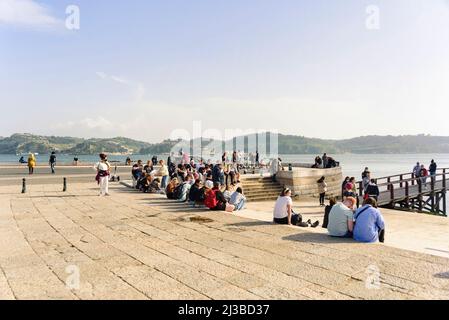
(352,164)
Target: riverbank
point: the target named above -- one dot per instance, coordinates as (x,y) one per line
(138,246)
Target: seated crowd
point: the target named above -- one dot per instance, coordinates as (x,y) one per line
(214,186)
(199,184)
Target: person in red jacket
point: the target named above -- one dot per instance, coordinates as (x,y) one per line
(424,174)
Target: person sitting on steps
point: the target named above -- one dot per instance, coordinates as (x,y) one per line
(283,212)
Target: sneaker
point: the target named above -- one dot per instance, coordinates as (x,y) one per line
(315,224)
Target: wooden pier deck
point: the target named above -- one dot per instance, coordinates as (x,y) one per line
(407,192)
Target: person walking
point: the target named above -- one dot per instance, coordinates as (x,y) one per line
(103,173)
(322,189)
(52,162)
(417,170)
(274,168)
(433,168)
(366,181)
(424,174)
(31,163)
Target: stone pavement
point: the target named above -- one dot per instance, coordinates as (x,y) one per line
(139,246)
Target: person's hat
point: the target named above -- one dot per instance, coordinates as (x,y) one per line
(209,184)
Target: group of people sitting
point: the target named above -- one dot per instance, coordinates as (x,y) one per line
(199,184)
(208,194)
(364,224)
(325,162)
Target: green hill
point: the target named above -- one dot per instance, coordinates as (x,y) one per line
(23,143)
(287,144)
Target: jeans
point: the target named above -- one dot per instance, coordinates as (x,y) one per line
(185,192)
(52,167)
(164,182)
(239,206)
(347,235)
(104,185)
(296,218)
(322,195)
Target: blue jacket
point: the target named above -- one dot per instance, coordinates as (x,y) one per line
(368,223)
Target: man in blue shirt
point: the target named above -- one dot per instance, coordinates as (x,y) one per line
(369,222)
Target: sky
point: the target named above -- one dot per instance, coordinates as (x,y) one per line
(148,69)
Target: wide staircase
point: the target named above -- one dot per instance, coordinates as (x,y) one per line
(260,188)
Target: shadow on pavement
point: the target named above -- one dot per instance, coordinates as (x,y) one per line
(250,224)
(316,238)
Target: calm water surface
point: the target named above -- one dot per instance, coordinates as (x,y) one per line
(352,164)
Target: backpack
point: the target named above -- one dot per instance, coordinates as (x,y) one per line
(210,200)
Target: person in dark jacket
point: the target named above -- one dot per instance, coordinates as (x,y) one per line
(327,210)
(372,190)
(52,162)
(218,174)
(343,186)
(196,194)
(433,168)
(365,173)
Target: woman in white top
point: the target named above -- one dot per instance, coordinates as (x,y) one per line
(283,212)
(322,189)
(102,177)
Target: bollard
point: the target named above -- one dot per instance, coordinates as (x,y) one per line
(290,168)
(64,187)
(24,185)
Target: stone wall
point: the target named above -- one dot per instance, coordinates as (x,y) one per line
(303,181)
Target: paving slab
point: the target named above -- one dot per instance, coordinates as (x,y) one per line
(139,246)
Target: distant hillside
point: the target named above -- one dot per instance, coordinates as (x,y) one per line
(287,144)
(24,143)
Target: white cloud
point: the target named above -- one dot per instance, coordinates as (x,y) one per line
(138,87)
(102,75)
(26,13)
(98,123)
(120,80)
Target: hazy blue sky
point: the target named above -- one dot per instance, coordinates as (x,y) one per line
(142,68)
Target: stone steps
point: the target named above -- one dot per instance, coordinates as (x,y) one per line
(260,189)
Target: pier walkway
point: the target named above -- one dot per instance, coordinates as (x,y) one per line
(407,192)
